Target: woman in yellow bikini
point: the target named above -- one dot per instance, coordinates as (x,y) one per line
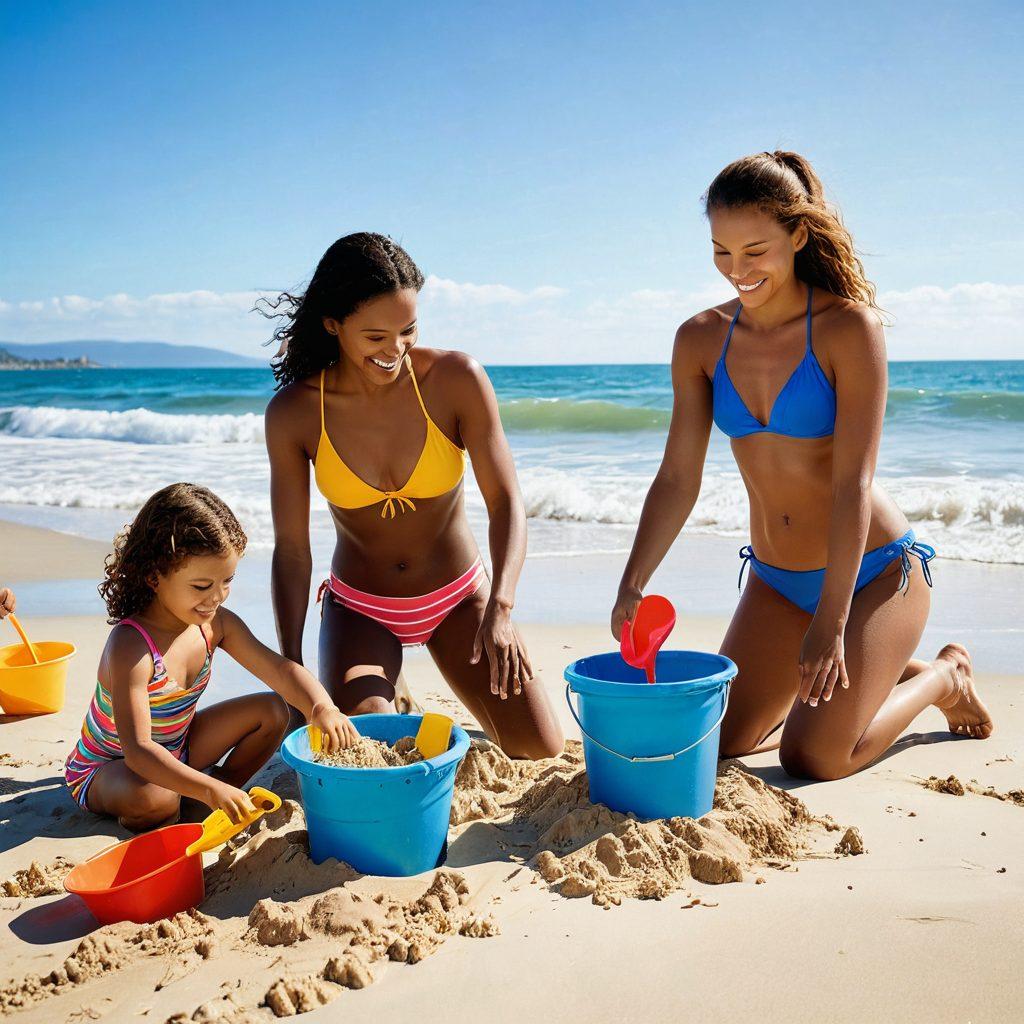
(360,404)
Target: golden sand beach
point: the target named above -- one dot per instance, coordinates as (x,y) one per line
(549,908)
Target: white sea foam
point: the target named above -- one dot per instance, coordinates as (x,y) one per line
(139,426)
(585,501)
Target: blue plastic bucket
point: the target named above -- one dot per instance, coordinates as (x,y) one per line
(651,749)
(382,821)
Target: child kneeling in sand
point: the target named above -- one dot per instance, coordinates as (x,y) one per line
(143,744)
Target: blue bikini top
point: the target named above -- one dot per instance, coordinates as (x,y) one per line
(805,407)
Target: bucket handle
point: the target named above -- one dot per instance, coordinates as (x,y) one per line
(658,757)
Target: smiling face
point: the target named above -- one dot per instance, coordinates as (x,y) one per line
(193,590)
(376,337)
(754,252)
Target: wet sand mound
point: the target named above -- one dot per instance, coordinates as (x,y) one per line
(582,849)
(38,879)
(954,787)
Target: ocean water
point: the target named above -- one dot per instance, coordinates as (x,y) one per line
(587,442)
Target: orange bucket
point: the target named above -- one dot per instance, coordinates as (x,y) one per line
(142,879)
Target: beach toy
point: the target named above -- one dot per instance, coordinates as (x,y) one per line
(642,638)
(218,828)
(316,738)
(32,675)
(651,751)
(19,629)
(382,821)
(433,734)
(160,873)
(142,879)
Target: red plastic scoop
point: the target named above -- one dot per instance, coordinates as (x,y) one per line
(642,638)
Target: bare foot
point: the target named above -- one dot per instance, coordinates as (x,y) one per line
(963,709)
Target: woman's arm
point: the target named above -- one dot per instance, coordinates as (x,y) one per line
(676,486)
(129,669)
(292,563)
(285,677)
(859,364)
(484,438)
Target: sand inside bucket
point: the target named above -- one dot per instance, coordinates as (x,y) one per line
(369,753)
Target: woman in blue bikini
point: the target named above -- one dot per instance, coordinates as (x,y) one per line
(820,650)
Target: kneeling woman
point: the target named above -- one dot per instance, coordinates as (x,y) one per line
(794,371)
(359,403)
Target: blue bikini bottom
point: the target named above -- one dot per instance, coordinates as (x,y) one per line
(804,588)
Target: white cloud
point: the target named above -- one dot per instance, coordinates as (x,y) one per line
(442,290)
(501,324)
(972,321)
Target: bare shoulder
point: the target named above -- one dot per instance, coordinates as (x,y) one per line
(699,340)
(294,412)
(850,330)
(224,622)
(125,654)
(450,373)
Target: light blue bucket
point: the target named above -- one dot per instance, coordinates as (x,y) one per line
(382,821)
(651,749)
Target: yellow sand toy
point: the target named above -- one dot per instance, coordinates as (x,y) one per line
(218,828)
(32,675)
(432,737)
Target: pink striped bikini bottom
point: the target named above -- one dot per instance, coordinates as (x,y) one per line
(411,619)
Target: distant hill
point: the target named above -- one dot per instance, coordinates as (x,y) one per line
(145,354)
(9,361)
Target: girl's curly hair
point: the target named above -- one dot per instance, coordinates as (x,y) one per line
(175,523)
(785,186)
(355,269)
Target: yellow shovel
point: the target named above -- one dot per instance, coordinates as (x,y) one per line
(434,734)
(219,828)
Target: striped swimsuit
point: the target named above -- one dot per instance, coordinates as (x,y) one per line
(171,709)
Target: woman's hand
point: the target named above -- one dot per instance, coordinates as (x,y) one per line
(235,803)
(506,654)
(625,608)
(822,662)
(337,729)
(7,602)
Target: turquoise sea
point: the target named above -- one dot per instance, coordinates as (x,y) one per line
(587,441)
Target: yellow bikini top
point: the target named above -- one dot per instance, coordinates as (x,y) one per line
(441,466)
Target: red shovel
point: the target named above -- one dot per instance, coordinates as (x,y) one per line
(642,638)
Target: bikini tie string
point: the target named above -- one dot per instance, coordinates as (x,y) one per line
(391,500)
(746,554)
(925,553)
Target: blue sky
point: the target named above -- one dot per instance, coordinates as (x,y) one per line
(543,163)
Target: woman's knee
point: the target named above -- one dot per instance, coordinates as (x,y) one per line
(535,746)
(800,760)
(372,705)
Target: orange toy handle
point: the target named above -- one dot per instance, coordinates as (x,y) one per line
(24,638)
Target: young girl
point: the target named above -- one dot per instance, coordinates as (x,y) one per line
(143,744)
(793,371)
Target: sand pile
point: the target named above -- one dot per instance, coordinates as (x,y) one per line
(489,783)
(954,787)
(585,850)
(185,937)
(368,753)
(38,879)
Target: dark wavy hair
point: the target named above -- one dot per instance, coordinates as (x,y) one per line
(175,523)
(785,186)
(355,269)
